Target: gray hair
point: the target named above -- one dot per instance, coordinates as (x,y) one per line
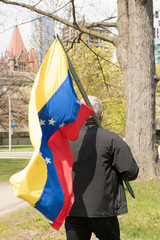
(96,104)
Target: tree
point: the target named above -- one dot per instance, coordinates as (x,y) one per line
(158,69)
(19,94)
(42,36)
(135,54)
(17,85)
(157,77)
(99,77)
(102,78)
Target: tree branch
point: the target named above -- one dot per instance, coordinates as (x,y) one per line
(38,3)
(97,54)
(101,68)
(74,14)
(74,41)
(156,78)
(105,24)
(31,77)
(107,85)
(65,22)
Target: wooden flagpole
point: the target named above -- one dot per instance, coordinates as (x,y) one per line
(85,97)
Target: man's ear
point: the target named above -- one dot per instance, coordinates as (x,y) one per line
(100,116)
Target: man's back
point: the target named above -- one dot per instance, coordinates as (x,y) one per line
(101,160)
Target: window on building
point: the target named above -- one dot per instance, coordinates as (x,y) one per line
(90,39)
(157,32)
(156,14)
(22,66)
(154,32)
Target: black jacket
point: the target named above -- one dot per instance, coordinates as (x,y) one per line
(101,161)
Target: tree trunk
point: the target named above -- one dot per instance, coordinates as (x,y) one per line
(135,52)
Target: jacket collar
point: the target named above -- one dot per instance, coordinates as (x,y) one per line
(89,125)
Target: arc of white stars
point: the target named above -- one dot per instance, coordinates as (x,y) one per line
(48,160)
(62,125)
(51,122)
(42,122)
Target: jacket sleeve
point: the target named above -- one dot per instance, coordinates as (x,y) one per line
(123,160)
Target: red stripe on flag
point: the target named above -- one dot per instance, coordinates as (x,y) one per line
(63,159)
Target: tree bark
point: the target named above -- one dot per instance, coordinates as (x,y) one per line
(135,52)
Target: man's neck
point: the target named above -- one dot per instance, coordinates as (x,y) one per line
(90,120)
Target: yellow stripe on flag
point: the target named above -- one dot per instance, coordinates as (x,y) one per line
(51,75)
(29,183)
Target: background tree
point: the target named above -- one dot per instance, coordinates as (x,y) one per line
(135,45)
(19,93)
(43,35)
(158,97)
(101,77)
(158,69)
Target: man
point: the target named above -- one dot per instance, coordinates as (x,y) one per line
(101,161)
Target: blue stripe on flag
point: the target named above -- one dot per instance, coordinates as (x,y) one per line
(61,109)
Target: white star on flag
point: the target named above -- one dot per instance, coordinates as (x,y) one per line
(48,160)
(51,122)
(42,122)
(62,125)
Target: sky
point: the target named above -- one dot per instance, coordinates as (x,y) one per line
(11,15)
(9,18)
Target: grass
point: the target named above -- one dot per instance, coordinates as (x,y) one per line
(28,224)
(10,166)
(16,148)
(141,223)
(143,220)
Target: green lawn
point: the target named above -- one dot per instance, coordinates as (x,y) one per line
(10,166)
(141,223)
(143,220)
(16,148)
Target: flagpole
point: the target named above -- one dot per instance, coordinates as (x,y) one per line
(84,95)
(79,85)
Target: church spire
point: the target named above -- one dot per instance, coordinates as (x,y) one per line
(16,43)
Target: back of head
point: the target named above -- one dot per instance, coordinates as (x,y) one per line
(96,104)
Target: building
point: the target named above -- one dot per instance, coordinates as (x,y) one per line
(68,34)
(18,69)
(157,36)
(17,58)
(43,36)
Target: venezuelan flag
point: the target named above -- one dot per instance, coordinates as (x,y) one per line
(55,116)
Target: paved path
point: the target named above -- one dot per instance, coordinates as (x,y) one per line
(8,201)
(15,154)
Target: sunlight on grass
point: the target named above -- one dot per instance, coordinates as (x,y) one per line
(17,148)
(141,223)
(10,166)
(143,219)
